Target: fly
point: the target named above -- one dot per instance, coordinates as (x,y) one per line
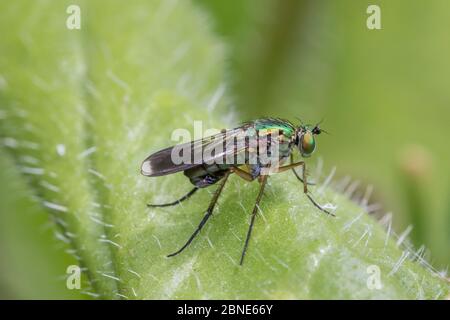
(252,151)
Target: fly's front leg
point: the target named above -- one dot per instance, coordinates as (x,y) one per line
(292,166)
(305,184)
(296,174)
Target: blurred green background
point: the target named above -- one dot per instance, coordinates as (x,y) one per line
(383,94)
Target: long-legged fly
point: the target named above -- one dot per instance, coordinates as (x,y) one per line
(252,151)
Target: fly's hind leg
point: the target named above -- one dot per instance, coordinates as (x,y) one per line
(185,197)
(208,214)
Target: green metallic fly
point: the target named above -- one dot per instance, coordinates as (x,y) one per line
(253,150)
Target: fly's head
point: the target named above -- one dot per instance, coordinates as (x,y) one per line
(305,139)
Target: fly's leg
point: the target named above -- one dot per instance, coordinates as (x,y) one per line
(206,217)
(305,184)
(185,197)
(263,181)
(318,206)
(243,174)
(296,174)
(292,166)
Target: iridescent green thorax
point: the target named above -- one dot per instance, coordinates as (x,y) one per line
(275,124)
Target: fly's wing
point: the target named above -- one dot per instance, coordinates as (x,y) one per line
(248,146)
(207,150)
(160,163)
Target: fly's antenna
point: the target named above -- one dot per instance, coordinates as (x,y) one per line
(317,129)
(320,122)
(321,130)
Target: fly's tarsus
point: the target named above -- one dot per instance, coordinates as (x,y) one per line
(176,202)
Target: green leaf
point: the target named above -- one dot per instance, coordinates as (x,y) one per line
(80,110)
(32,265)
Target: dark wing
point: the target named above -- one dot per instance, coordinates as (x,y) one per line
(160,163)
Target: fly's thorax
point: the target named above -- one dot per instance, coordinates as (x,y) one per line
(273,144)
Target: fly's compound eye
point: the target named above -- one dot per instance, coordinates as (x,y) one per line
(307,144)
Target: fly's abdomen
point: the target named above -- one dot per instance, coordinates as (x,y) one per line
(207,174)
